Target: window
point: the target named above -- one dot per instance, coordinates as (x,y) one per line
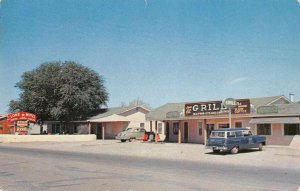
(175,128)
(239,134)
(142,125)
(238,124)
(217,134)
(247,133)
(225,125)
(200,128)
(291,129)
(264,129)
(231,134)
(159,128)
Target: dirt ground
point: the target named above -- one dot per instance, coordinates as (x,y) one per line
(285,157)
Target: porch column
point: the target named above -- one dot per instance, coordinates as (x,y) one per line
(179,133)
(89,127)
(204,130)
(103,132)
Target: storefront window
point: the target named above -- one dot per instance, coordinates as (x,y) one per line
(238,124)
(264,129)
(291,129)
(200,128)
(175,128)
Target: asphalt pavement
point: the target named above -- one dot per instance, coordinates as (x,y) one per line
(110,165)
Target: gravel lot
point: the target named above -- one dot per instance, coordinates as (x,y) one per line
(271,156)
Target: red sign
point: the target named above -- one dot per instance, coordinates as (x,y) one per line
(21,116)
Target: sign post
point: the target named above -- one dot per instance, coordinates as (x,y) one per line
(229,103)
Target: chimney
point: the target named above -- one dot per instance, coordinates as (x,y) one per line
(292,97)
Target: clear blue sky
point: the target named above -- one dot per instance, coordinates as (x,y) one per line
(158,51)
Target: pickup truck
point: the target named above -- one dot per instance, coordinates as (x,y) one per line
(233,140)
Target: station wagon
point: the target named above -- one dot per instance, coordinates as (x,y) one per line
(233,140)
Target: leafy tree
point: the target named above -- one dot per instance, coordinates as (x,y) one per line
(61,91)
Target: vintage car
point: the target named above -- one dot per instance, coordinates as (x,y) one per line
(233,140)
(131,133)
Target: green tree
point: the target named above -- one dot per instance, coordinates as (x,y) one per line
(61,91)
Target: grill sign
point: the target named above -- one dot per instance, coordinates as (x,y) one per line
(216,107)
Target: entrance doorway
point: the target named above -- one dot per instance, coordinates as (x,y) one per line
(167,131)
(186,132)
(209,128)
(99,130)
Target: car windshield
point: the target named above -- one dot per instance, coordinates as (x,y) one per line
(217,134)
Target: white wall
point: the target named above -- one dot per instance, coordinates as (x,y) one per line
(136,119)
(46,138)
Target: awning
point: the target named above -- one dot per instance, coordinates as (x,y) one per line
(275,120)
(111,118)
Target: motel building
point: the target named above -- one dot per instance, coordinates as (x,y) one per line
(275,117)
(106,125)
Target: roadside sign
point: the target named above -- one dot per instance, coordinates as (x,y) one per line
(229,103)
(21,116)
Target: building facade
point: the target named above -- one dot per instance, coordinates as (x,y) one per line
(105,125)
(275,117)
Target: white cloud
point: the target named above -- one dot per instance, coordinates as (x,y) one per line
(240,79)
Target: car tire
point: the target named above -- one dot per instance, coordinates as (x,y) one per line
(216,151)
(234,150)
(123,140)
(260,147)
(131,139)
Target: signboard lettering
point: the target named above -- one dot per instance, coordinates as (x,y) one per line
(21,116)
(216,107)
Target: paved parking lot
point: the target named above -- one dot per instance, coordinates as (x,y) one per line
(271,156)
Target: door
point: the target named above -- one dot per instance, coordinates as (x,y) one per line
(167,131)
(99,131)
(186,132)
(209,128)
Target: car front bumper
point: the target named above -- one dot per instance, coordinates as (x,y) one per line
(221,148)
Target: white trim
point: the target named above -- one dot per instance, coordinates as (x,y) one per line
(279,99)
(134,107)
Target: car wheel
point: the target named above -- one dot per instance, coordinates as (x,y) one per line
(234,150)
(131,139)
(216,151)
(260,147)
(123,140)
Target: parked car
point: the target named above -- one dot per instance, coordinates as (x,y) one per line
(233,140)
(131,134)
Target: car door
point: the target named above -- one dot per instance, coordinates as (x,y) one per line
(242,141)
